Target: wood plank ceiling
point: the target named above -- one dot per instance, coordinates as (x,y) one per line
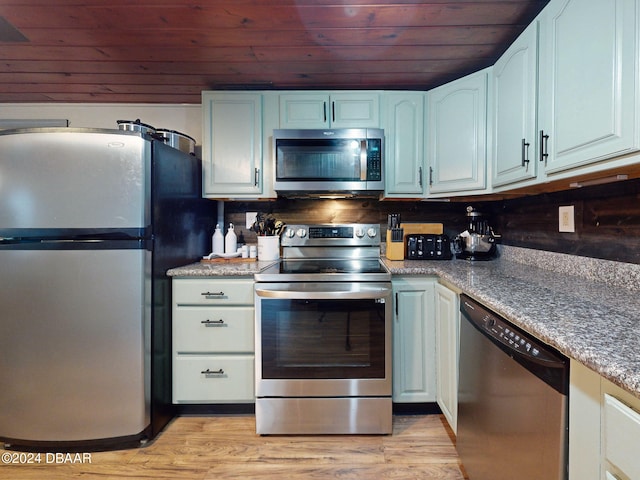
(168,51)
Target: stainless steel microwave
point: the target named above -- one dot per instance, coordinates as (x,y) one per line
(338,161)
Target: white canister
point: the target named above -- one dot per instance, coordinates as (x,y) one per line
(253,251)
(230,241)
(268,247)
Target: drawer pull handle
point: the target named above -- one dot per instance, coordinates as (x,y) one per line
(213,322)
(212,294)
(212,372)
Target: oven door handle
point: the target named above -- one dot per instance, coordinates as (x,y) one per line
(359,294)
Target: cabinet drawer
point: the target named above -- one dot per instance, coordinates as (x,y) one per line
(228,291)
(230,381)
(621,436)
(209,330)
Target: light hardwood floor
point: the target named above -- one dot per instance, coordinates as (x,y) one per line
(226,447)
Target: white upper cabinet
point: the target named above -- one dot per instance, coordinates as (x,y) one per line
(403,124)
(232,144)
(330,110)
(588,69)
(515,77)
(457,135)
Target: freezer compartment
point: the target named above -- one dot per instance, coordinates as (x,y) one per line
(75,179)
(74,344)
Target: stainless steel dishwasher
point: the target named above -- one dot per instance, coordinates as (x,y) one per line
(513,400)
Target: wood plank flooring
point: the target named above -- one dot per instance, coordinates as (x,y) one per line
(227,447)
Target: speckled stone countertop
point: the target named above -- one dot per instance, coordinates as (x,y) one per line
(595,322)
(586,308)
(222,269)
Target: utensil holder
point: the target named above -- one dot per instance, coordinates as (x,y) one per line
(268,247)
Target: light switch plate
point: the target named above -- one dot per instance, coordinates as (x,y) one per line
(250,218)
(566,219)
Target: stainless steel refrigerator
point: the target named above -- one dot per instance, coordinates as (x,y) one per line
(90,220)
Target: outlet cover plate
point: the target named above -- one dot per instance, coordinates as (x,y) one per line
(250,219)
(566,219)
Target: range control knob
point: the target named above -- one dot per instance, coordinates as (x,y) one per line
(290,233)
(301,233)
(372,232)
(359,232)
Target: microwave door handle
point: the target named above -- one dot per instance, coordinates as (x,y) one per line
(363,160)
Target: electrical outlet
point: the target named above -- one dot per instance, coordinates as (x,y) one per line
(566,219)
(250,219)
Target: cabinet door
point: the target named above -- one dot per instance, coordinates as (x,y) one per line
(413,340)
(330,110)
(447,318)
(355,110)
(588,81)
(620,433)
(584,423)
(304,110)
(514,134)
(456,132)
(232,144)
(403,115)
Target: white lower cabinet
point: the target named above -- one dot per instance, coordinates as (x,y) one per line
(620,433)
(604,428)
(213,340)
(414,367)
(447,318)
(584,423)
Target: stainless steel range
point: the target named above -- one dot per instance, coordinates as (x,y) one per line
(323,334)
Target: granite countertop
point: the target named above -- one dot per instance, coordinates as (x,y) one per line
(584,307)
(592,321)
(219,269)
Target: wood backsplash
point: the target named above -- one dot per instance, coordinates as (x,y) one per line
(607,218)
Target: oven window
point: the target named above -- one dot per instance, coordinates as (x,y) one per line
(320,339)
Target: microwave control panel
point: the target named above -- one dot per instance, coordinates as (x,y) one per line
(374,159)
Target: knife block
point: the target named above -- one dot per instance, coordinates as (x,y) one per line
(395,250)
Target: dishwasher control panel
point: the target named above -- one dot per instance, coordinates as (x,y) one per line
(512,337)
(501,331)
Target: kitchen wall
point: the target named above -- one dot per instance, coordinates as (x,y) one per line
(182,118)
(607,218)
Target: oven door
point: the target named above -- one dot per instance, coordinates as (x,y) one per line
(323,339)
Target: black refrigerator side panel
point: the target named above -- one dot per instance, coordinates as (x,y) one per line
(181,229)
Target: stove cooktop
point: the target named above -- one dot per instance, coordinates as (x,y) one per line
(324,270)
(328,252)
